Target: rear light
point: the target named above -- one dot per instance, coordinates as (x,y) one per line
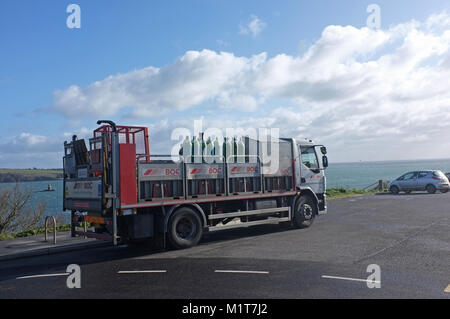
(98,174)
(437,178)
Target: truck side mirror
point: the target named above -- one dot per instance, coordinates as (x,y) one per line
(323,150)
(325,161)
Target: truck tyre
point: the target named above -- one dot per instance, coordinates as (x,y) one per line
(431,189)
(185,228)
(394,190)
(305,211)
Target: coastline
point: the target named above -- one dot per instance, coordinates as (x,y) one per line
(29,175)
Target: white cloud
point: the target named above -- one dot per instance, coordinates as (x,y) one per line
(345,64)
(254,27)
(194,78)
(30,139)
(357,88)
(438,20)
(31,150)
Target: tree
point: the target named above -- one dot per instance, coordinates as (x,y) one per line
(16,214)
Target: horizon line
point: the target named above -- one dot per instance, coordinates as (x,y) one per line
(385,161)
(353,162)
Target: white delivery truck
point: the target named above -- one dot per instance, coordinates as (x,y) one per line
(126,193)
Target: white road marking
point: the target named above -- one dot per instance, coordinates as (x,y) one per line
(242,271)
(140,271)
(46,275)
(351,279)
(447,289)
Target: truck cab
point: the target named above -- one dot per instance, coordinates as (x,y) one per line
(312,162)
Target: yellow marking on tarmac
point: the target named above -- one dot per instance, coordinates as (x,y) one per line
(447,289)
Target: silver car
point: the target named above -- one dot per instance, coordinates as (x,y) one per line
(428,180)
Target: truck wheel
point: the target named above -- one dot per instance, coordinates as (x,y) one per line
(394,190)
(185,228)
(431,189)
(304,212)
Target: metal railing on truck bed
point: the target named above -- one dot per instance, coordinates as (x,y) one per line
(163,180)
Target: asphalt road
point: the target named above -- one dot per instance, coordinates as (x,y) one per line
(407,236)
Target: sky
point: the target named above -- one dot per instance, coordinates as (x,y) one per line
(311,69)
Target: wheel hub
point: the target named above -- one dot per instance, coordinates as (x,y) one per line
(307,211)
(185,228)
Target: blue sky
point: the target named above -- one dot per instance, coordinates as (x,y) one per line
(39,56)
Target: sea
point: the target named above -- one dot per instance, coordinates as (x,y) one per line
(357,175)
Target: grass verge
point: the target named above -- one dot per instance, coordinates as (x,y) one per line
(33,232)
(343,192)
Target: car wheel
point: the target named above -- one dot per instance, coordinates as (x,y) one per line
(394,190)
(304,212)
(443,191)
(185,228)
(431,189)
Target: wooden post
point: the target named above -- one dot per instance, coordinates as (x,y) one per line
(380,185)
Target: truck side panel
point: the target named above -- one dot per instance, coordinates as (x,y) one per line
(128,186)
(83,194)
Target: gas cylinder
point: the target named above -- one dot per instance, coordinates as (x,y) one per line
(235,149)
(240,151)
(217,151)
(202,146)
(229,150)
(207,151)
(187,150)
(196,150)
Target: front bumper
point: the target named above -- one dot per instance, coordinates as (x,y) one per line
(323,212)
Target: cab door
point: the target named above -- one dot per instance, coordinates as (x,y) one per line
(311,173)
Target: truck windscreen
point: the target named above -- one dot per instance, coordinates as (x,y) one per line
(309,157)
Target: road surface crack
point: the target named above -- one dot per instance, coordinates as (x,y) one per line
(397,243)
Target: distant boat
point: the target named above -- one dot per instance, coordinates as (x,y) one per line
(49,189)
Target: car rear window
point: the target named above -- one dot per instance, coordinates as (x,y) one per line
(438,174)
